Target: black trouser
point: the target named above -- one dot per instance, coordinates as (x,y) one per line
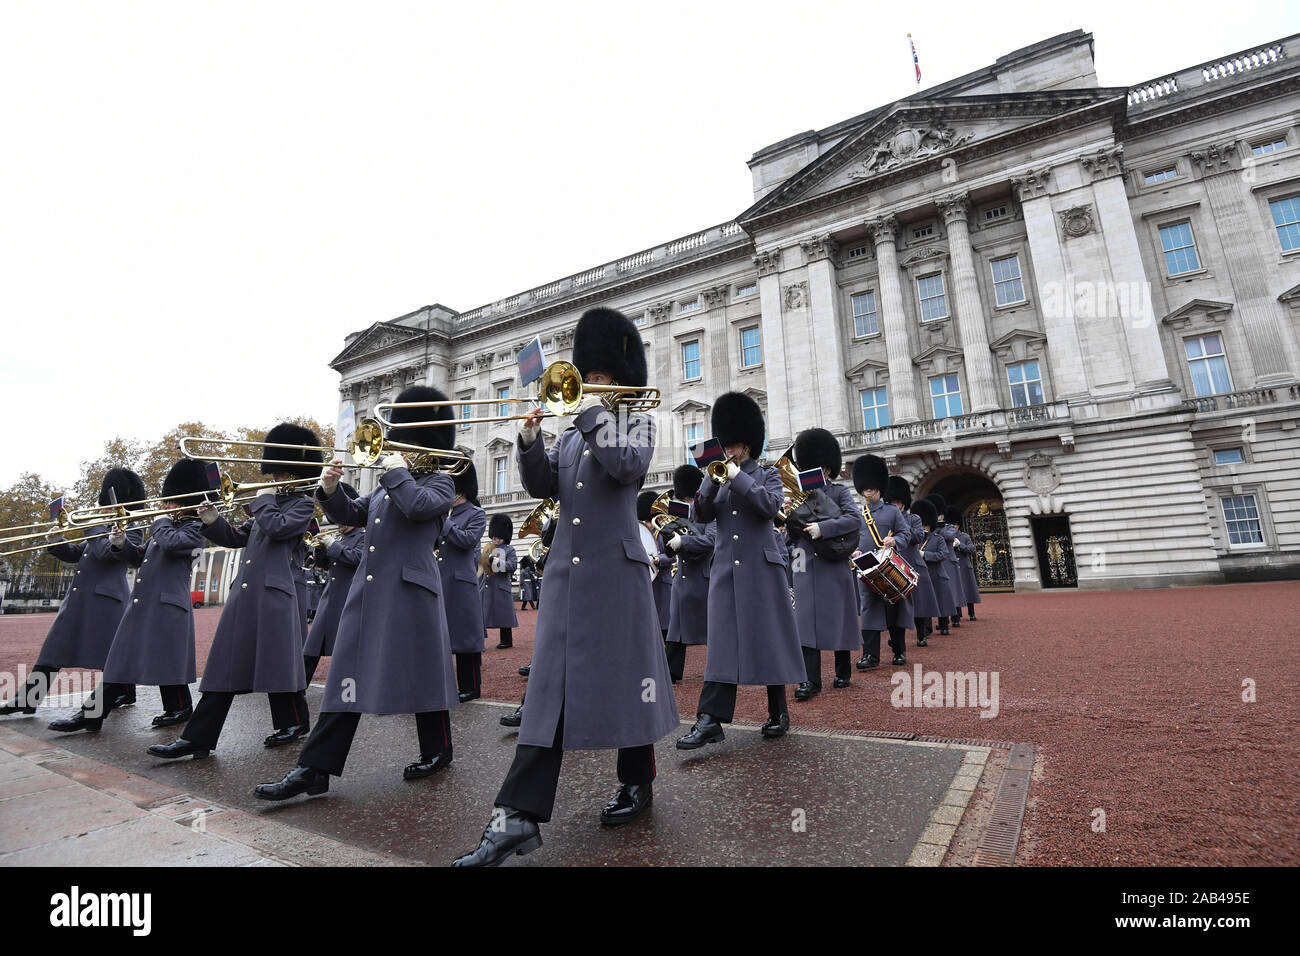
(956,615)
(469,672)
(327,747)
(102,702)
(535,773)
(309,665)
(719,701)
(37,686)
(971,607)
(204,728)
(812,665)
(507,637)
(675,651)
(897,642)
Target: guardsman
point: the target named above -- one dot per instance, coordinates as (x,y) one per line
(885,527)
(258,645)
(82,631)
(343,554)
(599,679)
(660,559)
(461,534)
(966,554)
(935,552)
(753,638)
(825,590)
(688,607)
(154,644)
(956,589)
(497,594)
(393,653)
(528,581)
(924,605)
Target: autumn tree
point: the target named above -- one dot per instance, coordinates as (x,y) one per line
(24,502)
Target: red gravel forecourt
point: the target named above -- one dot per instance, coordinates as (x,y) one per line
(1134,700)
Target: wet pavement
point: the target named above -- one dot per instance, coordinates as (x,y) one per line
(812,798)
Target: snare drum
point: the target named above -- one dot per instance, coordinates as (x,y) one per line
(885,573)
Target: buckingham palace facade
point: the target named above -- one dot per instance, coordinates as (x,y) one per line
(1071,309)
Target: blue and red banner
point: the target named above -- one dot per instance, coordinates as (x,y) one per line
(679,509)
(55,507)
(811,479)
(709,450)
(530,362)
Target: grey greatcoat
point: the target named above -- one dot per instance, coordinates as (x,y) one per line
(344,555)
(258,644)
(688,609)
(956,586)
(528,588)
(598,655)
(966,554)
(753,638)
(154,645)
(888,520)
(936,560)
(461,533)
(393,650)
(663,584)
(924,603)
(825,592)
(83,630)
(497,596)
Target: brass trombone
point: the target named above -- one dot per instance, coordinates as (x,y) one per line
(70,530)
(370,443)
(50,544)
(560,390)
(368,446)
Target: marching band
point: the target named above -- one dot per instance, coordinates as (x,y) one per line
(765,567)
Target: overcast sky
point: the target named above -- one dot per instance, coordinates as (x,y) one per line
(200,200)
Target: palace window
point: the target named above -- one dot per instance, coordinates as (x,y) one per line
(864,314)
(751,349)
(1272,146)
(1180,248)
(1241,519)
(1229,456)
(934,301)
(945,396)
(1160,175)
(694,435)
(1208,364)
(690,306)
(691,360)
(994,213)
(749,289)
(641,319)
(1286,219)
(923,232)
(1026,384)
(1008,287)
(466,411)
(857,252)
(875,408)
(503,391)
(502,484)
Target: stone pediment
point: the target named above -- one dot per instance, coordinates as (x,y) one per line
(940,359)
(499,445)
(380,336)
(689,406)
(1199,312)
(866,369)
(1017,345)
(936,251)
(915,136)
(1291,296)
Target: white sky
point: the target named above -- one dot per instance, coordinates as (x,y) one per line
(200,200)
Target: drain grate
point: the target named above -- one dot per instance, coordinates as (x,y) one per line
(1001,836)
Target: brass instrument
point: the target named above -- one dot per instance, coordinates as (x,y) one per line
(324,537)
(560,391)
(42,547)
(538,552)
(536,521)
(717,470)
(369,444)
(485,559)
(70,529)
(789,473)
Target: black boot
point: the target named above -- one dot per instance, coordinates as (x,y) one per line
(806,691)
(307,780)
(180,747)
(80,722)
(508,832)
(626,804)
(707,730)
(173,717)
(287,736)
(427,765)
(777,725)
(515,719)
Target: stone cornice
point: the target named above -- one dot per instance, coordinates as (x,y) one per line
(1188,111)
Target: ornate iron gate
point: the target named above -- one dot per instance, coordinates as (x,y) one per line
(1055,552)
(986,523)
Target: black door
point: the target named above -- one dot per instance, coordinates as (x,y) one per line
(1055,552)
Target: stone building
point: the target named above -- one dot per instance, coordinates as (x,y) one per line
(1069,308)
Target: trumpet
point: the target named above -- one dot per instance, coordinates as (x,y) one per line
(717,470)
(324,537)
(560,390)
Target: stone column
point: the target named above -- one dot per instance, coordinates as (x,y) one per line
(1272,350)
(1055,292)
(955,209)
(902,376)
(831,411)
(774,345)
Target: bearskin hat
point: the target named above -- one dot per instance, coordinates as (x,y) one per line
(467,484)
(643,503)
(737,420)
(817,448)
(500,526)
(349,490)
(526,562)
(606,341)
(899,490)
(686,482)
(870,471)
(124,483)
(287,433)
(936,499)
(923,508)
(186,477)
(431,435)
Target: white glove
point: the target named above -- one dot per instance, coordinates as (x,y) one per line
(392,460)
(499,563)
(528,435)
(328,483)
(588,401)
(208,514)
(117,538)
(813,530)
(674,543)
(732,470)
(265,491)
